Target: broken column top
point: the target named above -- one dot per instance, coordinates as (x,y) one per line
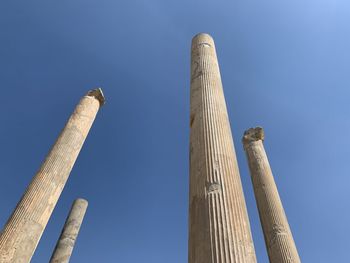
(202,39)
(253,134)
(98,94)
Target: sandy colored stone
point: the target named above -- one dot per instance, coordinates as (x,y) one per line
(23,230)
(219,229)
(278,236)
(66,241)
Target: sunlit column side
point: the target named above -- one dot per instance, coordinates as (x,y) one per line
(219,229)
(66,241)
(278,236)
(23,230)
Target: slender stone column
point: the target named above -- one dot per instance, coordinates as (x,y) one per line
(219,230)
(24,228)
(66,241)
(278,236)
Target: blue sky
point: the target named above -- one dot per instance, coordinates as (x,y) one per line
(284,64)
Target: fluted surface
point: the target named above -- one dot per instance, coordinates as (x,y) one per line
(24,228)
(66,241)
(278,236)
(219,230)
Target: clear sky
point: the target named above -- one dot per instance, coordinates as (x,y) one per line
(285,66)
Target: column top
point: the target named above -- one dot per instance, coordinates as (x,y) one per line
(252,135)
(202,39)
(81,201)
(98,94)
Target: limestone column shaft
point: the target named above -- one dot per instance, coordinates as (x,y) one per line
(219,229)
(66,241)
(278,236)
(23,230)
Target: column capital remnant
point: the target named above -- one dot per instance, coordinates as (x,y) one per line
(253,134)
(98,94)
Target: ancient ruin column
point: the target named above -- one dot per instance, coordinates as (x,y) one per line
(278,237)
(66,241)
(24,228)
(219,229)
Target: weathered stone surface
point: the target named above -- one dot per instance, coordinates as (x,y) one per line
(24,228)
(219,229)
(253,134)
(66,241)
(278,237)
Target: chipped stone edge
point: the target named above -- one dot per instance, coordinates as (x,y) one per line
(253,135)
(98,94)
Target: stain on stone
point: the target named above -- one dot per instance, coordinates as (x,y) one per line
(191,120)
(196,72)
(204,44)
(214,188)
(277,230)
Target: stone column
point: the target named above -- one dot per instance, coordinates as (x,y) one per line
(24,228)
(66,241)
(219,229)
(278,237)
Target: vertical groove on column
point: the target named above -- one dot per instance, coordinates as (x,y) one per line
(23,230)
(219,225)
(278,236)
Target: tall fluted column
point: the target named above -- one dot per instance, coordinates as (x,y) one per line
(24,228)
(278,236)
(66,241)
(219,229)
